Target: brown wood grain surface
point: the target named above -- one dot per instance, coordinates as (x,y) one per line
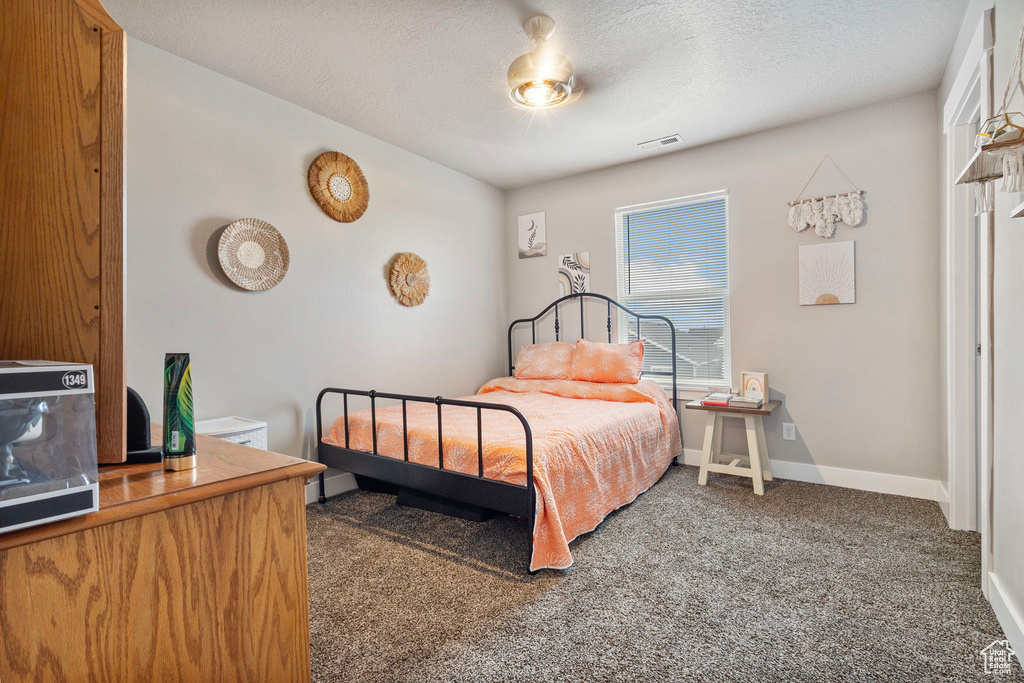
(61,141)
(111,375)
(211,591)
(765,409)
(128,491)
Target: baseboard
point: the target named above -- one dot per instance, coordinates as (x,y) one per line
(944,503)
(335,482)
(1008,616)
(895,484)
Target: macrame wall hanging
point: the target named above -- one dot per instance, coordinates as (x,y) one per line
(1000,144)
(824,213)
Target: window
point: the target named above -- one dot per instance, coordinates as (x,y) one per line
(672,259)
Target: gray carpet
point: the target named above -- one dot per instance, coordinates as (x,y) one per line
(808,583)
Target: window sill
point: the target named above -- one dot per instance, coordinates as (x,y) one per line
(689,393)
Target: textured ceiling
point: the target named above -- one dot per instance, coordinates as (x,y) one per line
(429,75)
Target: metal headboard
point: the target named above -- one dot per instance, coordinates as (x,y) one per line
(583,335)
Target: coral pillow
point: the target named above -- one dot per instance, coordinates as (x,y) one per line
(600,362)
(550,360)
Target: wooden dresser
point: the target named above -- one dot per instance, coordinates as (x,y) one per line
(181,576)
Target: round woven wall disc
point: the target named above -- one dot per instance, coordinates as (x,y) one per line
(253,254)
(338,186)
(410,280)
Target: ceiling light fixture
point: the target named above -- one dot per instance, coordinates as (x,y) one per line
(541,78)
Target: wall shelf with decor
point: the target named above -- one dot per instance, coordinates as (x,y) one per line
(1000,146)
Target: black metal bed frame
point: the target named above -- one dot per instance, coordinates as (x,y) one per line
(479,491)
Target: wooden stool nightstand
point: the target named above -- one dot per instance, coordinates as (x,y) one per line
(755,464)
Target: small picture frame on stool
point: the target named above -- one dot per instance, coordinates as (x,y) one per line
(754,385)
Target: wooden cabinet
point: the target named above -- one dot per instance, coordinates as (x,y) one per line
(62,77)
(197,575)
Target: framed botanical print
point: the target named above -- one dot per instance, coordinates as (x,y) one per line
(533,239)
(574,273)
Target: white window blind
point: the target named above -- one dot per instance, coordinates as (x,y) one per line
(673,260)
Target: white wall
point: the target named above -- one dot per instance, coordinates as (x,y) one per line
(204,150)
(1008,405)
(861,382)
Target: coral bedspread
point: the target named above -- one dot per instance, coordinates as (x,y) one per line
(596,447)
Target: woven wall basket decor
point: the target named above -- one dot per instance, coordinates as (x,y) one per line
(409,281)
(253,254)
(339,186)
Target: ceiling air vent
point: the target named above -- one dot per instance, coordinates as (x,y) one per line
(660,142)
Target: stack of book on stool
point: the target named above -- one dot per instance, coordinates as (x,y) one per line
(745,402)
(717,399)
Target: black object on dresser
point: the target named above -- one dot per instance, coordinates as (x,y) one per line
(138,442)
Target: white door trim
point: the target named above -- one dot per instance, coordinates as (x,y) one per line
(969,72)
(969,459)
(960,339)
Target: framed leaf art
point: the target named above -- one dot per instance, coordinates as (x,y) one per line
(532,235)
(574,273)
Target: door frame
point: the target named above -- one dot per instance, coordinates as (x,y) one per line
(968,266)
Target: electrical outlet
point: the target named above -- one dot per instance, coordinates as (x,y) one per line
(789,431)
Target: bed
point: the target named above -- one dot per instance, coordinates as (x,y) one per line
(561,453)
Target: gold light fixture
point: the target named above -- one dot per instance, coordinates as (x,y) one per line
(541,78)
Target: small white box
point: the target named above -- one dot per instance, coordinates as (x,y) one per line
(238,430)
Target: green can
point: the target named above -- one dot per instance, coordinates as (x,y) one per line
(179,419)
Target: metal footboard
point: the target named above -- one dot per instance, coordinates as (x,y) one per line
(478,490)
